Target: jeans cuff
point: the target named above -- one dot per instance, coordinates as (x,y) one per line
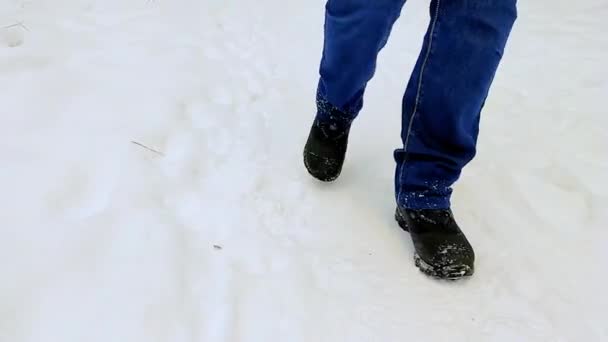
(330,115)
(424,200)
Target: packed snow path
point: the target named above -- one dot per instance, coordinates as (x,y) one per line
(152,187)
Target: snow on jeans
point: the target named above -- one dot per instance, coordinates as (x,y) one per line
(445,94)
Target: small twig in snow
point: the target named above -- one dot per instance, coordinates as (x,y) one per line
(19,24)
(147,148)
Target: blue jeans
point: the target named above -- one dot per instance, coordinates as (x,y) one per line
(445,94)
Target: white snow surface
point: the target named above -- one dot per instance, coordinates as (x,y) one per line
(221,235)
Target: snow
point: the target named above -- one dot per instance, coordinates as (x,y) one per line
(103,239)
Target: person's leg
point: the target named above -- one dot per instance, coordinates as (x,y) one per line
(355,31)
(445,95)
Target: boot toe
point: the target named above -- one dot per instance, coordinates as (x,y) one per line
(449,260)
(322,168)
(451,271)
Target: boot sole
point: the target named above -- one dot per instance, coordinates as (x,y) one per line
(449,272)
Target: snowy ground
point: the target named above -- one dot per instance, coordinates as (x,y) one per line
(222,236)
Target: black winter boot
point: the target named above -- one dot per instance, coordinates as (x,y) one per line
(325,149)
(442,250)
